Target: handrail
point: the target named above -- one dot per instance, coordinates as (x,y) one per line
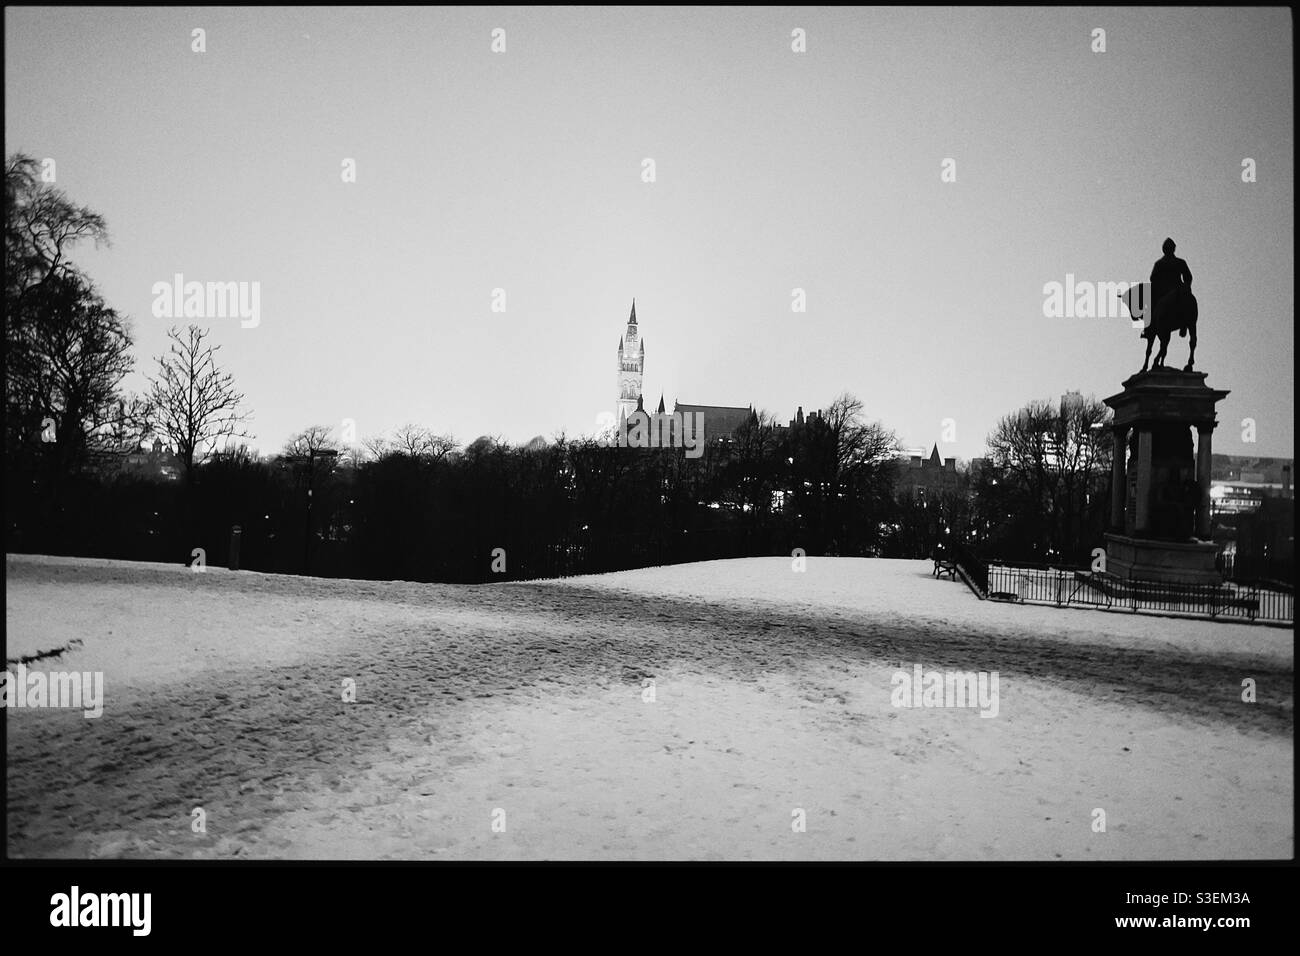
(970,583)
(973,571)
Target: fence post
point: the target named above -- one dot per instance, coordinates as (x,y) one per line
(234,547)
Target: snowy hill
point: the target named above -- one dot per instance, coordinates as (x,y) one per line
(722,710)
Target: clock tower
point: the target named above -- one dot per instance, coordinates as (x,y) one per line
(631,366)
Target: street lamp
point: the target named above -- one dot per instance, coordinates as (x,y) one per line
(310,458)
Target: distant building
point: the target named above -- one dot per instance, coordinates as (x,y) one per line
(1272,471)
(927,478)
(1252,507)
(155,462)
(1071,400)
(799,421)
(720,421)
(1240,483)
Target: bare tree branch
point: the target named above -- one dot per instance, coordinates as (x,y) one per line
(192,401)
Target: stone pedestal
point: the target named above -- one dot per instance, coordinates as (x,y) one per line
(1160,491)
(1185,562)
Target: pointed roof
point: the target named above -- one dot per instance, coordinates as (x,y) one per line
(661,403)
(934,456)
(620,343)
(632,320)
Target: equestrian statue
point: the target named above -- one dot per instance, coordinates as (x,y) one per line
(1171,306)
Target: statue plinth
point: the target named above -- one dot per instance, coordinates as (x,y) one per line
(1150,559)
(1160,488)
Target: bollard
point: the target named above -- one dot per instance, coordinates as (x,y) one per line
(234,547)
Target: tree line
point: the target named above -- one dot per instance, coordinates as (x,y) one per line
(416,505)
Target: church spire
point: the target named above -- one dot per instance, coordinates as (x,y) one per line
(631,366)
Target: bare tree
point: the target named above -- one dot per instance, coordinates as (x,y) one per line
(846,465)
(377,447)
(754,450)
(1082,453)
(308,442)
(67,352)
(192,402)
(411,441)
(41,225)
(416,441)
(1058,460)
(1021,443)
(75,353)
(240,455)
(859,445)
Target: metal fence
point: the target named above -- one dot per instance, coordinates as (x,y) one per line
(1078,587)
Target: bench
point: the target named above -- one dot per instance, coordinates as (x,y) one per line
(944,566)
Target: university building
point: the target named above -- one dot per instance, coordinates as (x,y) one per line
(156,462)
(720,421)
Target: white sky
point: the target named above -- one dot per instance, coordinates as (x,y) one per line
(775,170)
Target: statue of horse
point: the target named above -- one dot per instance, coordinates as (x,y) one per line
(1178,312)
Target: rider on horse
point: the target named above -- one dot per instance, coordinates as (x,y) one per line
(1169,277)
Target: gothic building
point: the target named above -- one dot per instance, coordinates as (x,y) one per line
(631,368)
(930,477)
(720,421)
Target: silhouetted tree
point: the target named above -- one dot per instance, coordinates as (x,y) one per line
(1050,466)
(416,441)
(66,355)
(192,402)
(843,470)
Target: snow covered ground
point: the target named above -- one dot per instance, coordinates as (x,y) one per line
(721,710)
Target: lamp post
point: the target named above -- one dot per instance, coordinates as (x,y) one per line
(310,458)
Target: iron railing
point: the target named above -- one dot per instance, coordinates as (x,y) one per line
(1079,587)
